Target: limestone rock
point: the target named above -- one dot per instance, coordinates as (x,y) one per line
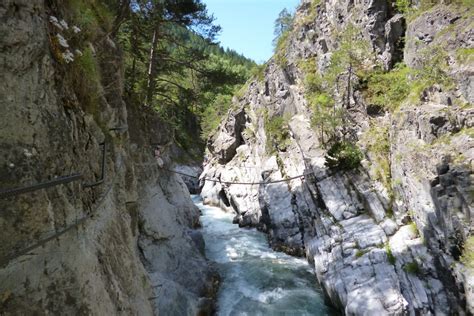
(377,249)
(128,246)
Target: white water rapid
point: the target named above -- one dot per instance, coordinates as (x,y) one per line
(255,279)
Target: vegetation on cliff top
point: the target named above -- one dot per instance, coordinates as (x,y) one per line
(411,10)
(173,66)
(282,30)
(329,95)
(171,62)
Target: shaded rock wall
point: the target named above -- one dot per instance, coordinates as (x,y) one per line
(126,246)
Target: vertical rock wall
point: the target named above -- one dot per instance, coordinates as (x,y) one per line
(128,245)
(376,248)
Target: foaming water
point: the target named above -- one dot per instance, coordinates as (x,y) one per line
(255,279)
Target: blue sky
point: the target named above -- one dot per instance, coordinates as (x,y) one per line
(247,25)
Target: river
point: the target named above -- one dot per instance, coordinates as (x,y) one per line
(255,279)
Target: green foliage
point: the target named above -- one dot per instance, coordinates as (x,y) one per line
(467,257)
(433,68)
(283,24)
(88,65)
(313,11)
(282,31)
(258,72)
(86,78)
(431,71)
(411,12)
(377,143)
(313,81)
(387,89)
(277,132)
(391,258)
(185,77)
(469,131)
(91,16)
(465,55)
(402,6)
(310,15)
(325,116)
(389,211)
(240,92)
(213,114)
(390,90)
(412,267)
(193,79)
(281,49)
(361,252)
(466,3)
(414,228)
(344,156)
(352,56)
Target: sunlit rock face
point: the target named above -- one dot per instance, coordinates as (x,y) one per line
(377,248)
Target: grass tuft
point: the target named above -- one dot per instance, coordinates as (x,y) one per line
(391,258)
(412,267)
(467,257)
(277,132)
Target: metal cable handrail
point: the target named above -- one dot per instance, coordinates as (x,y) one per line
(242,183)
(60,180)
(4,261)
(47,184)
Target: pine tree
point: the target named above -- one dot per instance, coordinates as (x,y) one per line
(283,24)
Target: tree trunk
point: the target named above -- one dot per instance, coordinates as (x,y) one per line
(122,13)
(133,49)
(348,103)
(150,89)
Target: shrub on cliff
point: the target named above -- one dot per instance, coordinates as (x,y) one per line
(377,145)
(344,156)
(281,48)
(277,132)
(387,89)
(323,88)
(213,114)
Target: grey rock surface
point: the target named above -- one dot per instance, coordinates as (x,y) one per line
(377,249)
(191,181)
(126,247)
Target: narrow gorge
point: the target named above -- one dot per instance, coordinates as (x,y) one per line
(350,153)
(385,237)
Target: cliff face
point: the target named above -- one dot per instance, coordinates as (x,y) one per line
(385,238)
(127,245)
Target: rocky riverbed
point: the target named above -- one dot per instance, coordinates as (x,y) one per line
(255,280)
(385,237)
